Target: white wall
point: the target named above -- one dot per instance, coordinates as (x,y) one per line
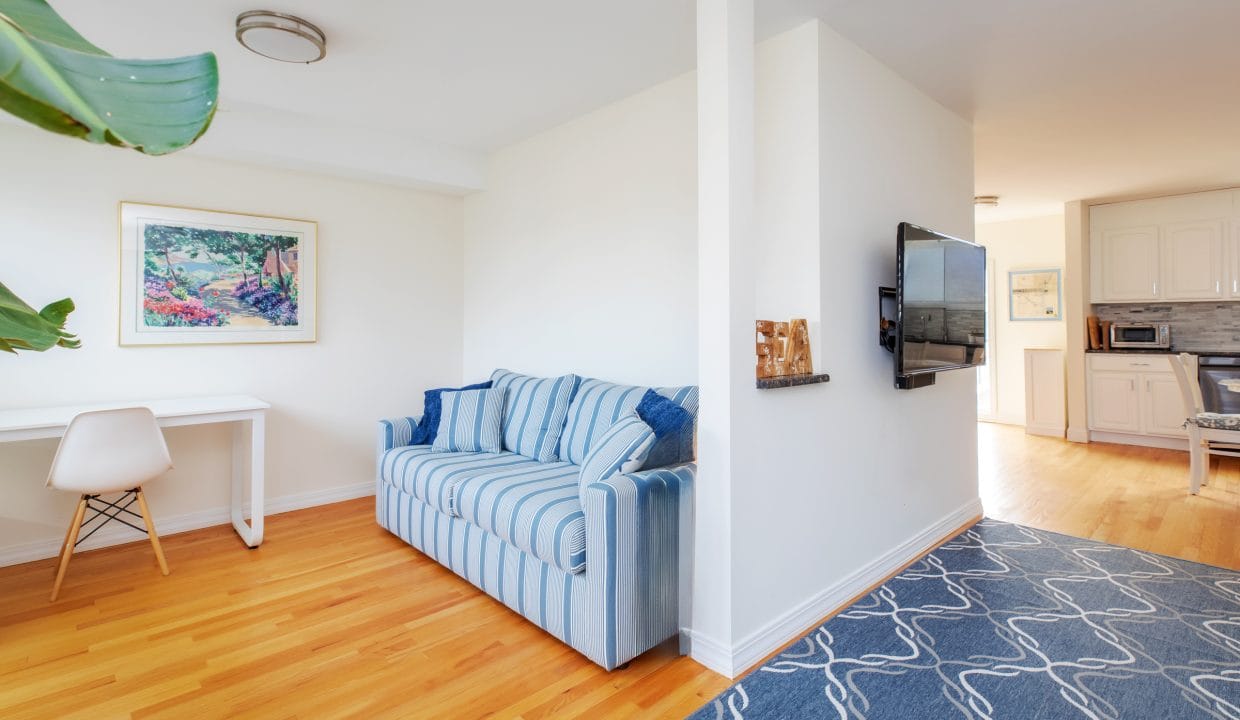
(389,322)
(581,253)
(1027,244)
(845,481)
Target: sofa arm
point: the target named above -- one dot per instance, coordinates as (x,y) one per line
(394,433)
(637,550)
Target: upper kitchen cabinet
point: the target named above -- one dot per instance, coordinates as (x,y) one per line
(1171,249)
(1125,264)
(1233,280)
(1192,261)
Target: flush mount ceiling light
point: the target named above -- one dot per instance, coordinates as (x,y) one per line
(282,37)
(986,200)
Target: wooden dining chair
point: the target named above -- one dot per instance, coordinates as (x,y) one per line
(105,452)
(1208,433)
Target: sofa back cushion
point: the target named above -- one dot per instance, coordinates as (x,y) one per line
(534,412)
(598,404)
(470,421)
(622,448)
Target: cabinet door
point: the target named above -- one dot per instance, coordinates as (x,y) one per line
(1192,260)
(1233,281)
(1127,264)
(1114,402)
(1162,407)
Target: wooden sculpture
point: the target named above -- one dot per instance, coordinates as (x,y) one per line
(783,348)
(799,359)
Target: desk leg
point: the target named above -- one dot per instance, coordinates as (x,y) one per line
(249,449)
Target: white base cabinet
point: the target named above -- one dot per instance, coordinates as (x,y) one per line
(1134,398)
(1045,397)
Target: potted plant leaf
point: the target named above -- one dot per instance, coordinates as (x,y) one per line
(53,77)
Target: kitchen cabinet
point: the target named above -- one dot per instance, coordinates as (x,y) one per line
(1045,396)
(1136,395)
(1114,403)
(1162,406)
(1192,260)
(1179,248)
(1233,278)
(1125,264)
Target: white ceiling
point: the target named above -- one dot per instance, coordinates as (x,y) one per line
(1070,98)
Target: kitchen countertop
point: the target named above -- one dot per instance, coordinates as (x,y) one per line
(1161,351)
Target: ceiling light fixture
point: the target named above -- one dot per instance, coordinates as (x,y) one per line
(282,37)
(986,200)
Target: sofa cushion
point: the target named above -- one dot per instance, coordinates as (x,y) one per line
(598,404)
(432,404)
(432,477)
(533,507)
(534,411)
(622,449)
(470,421)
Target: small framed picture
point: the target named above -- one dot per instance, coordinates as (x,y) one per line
(205,277)
(1035,294)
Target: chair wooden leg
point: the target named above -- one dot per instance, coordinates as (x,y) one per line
(66,552)
(150,531)
(1198,462)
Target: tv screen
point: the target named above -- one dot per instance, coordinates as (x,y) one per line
(940,302)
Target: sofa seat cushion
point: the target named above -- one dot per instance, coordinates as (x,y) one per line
(598,404)
(535,508)
(432,477)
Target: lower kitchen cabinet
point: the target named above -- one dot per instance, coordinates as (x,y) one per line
(1134,398)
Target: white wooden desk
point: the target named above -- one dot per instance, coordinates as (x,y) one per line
(248,415)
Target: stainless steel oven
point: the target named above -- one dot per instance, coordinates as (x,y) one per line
(1211,370)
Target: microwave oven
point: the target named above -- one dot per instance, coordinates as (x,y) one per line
(1141,336)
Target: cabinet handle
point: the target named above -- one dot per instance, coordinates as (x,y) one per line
(1132,384)
(1218,287)
(1235,287)
(1147,386)
(1155,287)
(1137,364)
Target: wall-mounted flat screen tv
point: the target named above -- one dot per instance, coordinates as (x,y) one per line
(940,305)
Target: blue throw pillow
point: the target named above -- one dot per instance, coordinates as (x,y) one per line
(623,448)
(470,421)
(662,414)
(424,433)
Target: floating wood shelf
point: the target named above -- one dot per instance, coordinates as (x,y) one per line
(792,380)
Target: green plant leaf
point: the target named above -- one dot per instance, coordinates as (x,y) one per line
(21,328)
(53,77)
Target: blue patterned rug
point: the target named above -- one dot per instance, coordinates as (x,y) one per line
(1004,621)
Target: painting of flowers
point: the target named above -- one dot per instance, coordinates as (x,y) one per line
(196,276)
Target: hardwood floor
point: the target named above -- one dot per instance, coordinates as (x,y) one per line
(334,617)
(1120,494)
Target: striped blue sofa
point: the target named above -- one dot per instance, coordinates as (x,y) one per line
(601,569)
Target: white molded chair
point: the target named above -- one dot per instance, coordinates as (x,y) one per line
(102,452)
(1208,433)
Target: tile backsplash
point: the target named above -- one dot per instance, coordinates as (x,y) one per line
(1194,326)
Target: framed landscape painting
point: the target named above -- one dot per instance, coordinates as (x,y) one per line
(198,276)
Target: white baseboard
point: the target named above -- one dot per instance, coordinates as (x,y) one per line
(794,623)
(115,534)
(1055,431)
(710,653)
(1077,435)
(1154,441)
